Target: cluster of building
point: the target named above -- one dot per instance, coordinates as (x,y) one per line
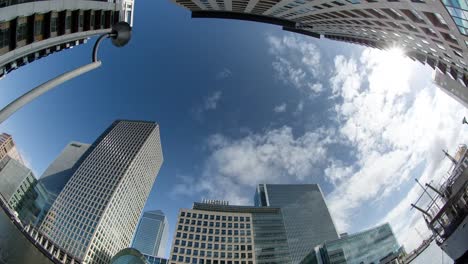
(87,207)
(89,200)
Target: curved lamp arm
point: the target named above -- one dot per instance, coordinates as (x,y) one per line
(120,36)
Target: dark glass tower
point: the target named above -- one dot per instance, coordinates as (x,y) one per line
(307,221)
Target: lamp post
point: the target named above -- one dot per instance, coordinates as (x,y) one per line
(120,36)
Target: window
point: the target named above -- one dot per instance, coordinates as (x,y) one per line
(67,22)
(38,28)
(21,32)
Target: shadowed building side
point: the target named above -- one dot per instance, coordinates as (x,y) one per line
(307,221)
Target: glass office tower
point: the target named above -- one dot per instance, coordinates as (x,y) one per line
(56,176)
(151,236)
(16,181)
(307,221)
(370,246)
(97,212)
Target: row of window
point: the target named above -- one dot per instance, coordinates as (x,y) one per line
(193,260)
(215,217)
(215,254)
(42,26)
(228,232)
(214,224)
(213,239)
(5,3)
(242,247)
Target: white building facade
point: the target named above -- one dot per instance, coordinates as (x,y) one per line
(97,212)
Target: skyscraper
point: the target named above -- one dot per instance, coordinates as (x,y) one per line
(151,236)
(213,232)
(33,29)
(8,147)
(307,221)
(432,32)
(56,176)
(369,246)
(96,214)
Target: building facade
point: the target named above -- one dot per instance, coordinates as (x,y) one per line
(451,87)
(155,260)
(33,29)
(97,212)
(432,32)
(17,182)
(151,236)
(59,172)
(8,147)
(376,245)
(307,221)
(211,233)
(53,180)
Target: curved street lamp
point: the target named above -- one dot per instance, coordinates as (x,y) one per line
(120,35)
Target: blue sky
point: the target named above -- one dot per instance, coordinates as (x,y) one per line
(242,103)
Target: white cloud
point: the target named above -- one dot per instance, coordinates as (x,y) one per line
(280,108)
(337,172)
(395,126)
(276,156)
(211,102)
(297,62)
(393,122)
(316,87)
(225,73)
(299,108)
